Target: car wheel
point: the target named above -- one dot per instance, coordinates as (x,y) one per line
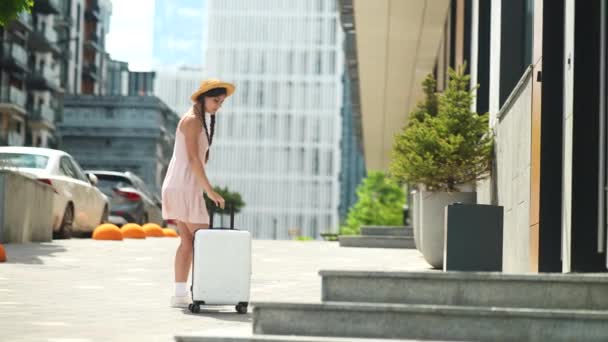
(104,215)
(65,231)
(144,219)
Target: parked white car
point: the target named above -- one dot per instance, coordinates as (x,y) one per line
(78,205)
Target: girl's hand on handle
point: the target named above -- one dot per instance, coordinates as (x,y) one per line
(217,199)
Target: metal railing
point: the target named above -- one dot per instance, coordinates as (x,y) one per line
(48,32)
(13,95)
(45,113)
(17,52)
(25,18)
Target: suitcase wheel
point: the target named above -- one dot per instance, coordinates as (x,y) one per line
(241,308)
(194,308)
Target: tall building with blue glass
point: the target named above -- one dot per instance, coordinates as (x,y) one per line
(353,168)
(353,164)
(179,27)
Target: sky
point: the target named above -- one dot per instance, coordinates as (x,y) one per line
(131,31)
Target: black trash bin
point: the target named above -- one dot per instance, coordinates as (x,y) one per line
(473,237)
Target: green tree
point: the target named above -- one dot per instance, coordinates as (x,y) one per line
(380,203)
(428,106)
(231,198)
(451,148)
(9,9)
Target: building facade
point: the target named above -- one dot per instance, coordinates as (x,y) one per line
(278,138)
(94,59)
(540,68)
(175,86)
(141,83)
(547,91)
(55,50)
(352,170)
(117,82)
(120,133)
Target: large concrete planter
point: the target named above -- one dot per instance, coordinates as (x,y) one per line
(415,214)
(429,231)
(26,209)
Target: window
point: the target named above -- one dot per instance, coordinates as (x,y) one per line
(263,63)
(290,62)
(288,96)
(32,161)
(516,43)
(245,93)
(260,126)
(77,170)
(260,94)
(272,127)
(274,94)
(333,26)
(318,31)
(302,128)
(318,62)
(287,128)
(331,63)
(315,162)
(316,128)
(66,168)
(304,62)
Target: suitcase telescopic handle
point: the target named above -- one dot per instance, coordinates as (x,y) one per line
(212,212)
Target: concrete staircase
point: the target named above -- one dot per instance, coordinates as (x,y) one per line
(450,306)
(276,338)
(380,237)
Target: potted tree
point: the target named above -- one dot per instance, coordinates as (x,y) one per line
(233,199)
(443,150)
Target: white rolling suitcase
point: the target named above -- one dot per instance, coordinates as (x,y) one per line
(221,267)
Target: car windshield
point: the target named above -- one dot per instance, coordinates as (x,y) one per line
(23,160)
(107,183)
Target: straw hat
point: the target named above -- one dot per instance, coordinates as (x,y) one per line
(212,83)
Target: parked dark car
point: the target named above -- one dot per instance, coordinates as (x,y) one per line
(131,201)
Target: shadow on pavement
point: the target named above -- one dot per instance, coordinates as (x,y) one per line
(222,314)
(30,253)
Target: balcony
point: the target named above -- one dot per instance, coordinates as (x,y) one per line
(92,11)
(12,101)
(23,20)
(44,114)
(13,57)
(43,79)
(90,71)
(43,39)
(12,97)
(92,42)
(47,6)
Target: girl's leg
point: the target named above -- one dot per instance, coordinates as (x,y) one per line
(183,260)
(183,256)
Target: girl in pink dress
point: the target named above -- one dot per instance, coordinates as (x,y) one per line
(186,180)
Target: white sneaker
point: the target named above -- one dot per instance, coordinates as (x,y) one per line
(180,301)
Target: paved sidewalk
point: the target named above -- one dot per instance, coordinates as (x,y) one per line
(83,290)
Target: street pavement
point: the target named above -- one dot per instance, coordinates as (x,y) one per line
(83,290)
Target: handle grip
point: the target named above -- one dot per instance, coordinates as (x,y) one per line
(212,212)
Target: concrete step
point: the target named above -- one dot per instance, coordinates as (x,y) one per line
(415,321)
(548,291)
(377,241)
(277,338)
(386,231)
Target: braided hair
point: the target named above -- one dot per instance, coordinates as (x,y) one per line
(201,99)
